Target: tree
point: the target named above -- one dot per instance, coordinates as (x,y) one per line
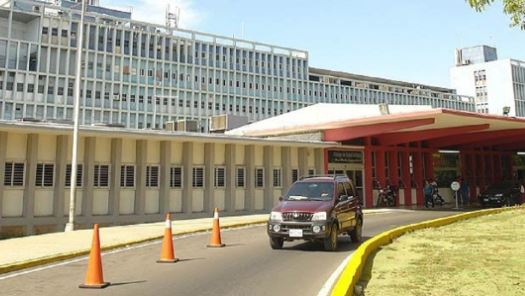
(514,8)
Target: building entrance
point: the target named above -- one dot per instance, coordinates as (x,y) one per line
(349,163)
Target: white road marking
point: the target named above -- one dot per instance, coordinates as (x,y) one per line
(327,287)
(119,250)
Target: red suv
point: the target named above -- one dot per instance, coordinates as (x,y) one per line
(317,209)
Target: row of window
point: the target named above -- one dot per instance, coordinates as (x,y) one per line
(45,176)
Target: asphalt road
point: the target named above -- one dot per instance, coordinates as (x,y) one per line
(246,266)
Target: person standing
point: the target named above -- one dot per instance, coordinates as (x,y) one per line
(464,189)
(427,190)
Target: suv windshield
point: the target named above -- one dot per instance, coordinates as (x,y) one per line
(310,191)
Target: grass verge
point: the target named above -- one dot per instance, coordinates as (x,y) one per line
(479,256)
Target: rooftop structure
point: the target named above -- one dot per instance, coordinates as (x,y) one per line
(144,75)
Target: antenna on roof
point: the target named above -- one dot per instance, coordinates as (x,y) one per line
(172,18)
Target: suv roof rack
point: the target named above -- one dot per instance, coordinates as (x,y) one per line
(326,175)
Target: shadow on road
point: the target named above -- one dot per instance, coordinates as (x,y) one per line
(344,244)
(190,259)
(126,283)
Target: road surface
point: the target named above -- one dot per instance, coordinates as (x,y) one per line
(246,266)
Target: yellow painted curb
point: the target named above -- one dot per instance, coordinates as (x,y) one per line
(65,256)
(352,273)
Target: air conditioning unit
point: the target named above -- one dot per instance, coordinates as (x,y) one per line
(169,126)
(226,122)
(116,97)
(187,125)
(36,8)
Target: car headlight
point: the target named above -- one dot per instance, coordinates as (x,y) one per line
(276,216)
(321,216)
(499,195)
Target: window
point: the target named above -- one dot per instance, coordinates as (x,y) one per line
(311,172)
(78,177)
(348,188)
(295,175)
(44,174)
(152,176)
(198,177)
(176,177)
(127,176)
(14,174)
(277,180)
(259,177)
(220,174)
(240,177)
(101,177)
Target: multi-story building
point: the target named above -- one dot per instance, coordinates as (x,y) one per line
(143,75)
(498,85)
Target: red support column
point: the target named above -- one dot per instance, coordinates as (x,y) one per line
(429,165)
(474,173)
(394,171)
(405,163)
(498,166)
(418,174)
(482,170)
(380,166)
(368,182)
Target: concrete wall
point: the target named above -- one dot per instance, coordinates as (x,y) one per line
(26,209)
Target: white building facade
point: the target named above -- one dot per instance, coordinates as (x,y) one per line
(143,75)
(495,84)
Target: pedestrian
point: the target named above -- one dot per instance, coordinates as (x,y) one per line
(464,190)
(522,193)
(427,190)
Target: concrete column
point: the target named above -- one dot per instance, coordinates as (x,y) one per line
(319,161)
(60,178)
(165,164)
(303,161)
(268,177)
(187,162)
(3,151)
(29,191)
(249,161)
(209,176)
(380,167)
(114,191)
(89,175)
(286,164)
(229,198)
(140,184)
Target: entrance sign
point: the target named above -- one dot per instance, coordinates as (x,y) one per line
(345,157)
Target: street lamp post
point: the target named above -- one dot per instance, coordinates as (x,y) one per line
(70,226)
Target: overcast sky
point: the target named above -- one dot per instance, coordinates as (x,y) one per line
(410,40)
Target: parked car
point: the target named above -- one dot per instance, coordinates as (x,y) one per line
(505,193)
(317,209)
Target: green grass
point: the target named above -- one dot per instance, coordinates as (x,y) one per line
(479,256)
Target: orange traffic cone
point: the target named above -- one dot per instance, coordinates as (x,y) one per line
(167,255)
(215,241)
(94,277)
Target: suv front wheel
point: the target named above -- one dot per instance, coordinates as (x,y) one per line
(330,242)
(276,243)
(356,234)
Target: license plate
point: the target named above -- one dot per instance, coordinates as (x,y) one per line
(296,233)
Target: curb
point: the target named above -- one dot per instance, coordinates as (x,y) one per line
(352,272)
(65,256)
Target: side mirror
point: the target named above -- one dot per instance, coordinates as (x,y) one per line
(280,198)
(342,198)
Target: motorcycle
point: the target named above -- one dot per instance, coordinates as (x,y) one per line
(436,197)
(386,197)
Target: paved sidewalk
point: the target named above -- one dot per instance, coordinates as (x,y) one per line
(23,252)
